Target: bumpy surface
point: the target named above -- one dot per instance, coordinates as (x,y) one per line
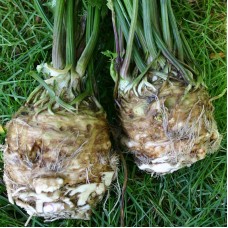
(58,166)
(169,129)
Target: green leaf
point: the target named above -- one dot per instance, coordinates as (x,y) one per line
(111,55)
(110,5)
(42,14)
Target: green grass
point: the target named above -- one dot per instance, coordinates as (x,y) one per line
(193,196)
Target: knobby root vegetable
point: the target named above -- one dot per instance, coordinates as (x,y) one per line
(58,164)
(168,130)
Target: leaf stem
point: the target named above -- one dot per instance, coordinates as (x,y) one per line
(88,51)
(139,27)
(70,53)
(165,24)
(148,28)
(127,58)
(176,33)
(89,29)
(57,55)
(118,44)
(124,26)
(155,15)
(173,60)
(117,41)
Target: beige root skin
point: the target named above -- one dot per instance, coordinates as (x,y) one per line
(169,130)
(58,166)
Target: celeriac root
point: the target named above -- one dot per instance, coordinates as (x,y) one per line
(58,166)
(169,130)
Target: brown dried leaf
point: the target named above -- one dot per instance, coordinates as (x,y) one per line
(217,55)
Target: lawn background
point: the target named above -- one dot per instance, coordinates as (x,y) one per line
(193,196)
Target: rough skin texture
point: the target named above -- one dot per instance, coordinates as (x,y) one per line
(58,166)
(168,130)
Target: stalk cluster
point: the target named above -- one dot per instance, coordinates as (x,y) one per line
(164,107)
(58,161)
